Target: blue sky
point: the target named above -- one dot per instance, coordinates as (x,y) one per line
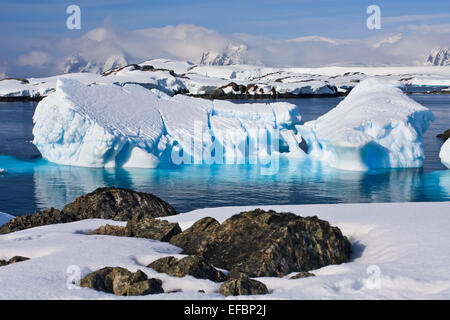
(26,25)
(276,18)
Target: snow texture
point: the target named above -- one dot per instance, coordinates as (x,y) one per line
(445,154)
(399,252)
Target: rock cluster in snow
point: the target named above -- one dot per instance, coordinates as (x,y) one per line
(104,203)
(260,243)
(13,260)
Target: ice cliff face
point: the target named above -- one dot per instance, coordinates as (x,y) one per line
(445,154)
(439,57)
(375,126)
(107,125)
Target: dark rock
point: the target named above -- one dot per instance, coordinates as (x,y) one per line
(301,275)
(13,260)
(122,282)
(195,266)
(142,226)
(260,243)
(103,203)
(236,275)
(112,231)
(117,204)
(40,218)
(242,287)
(445,135)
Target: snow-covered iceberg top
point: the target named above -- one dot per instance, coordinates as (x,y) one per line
(375,126)
(107,125)
(445,154)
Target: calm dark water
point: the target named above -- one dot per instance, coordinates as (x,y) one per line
(32,183)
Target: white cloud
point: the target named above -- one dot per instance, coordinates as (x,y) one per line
(34,59)
(188,42)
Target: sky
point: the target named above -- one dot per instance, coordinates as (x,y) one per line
(36,41)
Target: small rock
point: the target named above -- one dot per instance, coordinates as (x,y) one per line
(112,231)
(141,226)
(445,135)
(122,282)
(13,260)
(195,266)
(302,275)
(243,287)
(236,275)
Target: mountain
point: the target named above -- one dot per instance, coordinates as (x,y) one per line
(77,63)
(232,55)
(439,57)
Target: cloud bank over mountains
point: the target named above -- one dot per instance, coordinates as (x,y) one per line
(198,44)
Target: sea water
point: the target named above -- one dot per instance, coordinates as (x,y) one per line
(33,183)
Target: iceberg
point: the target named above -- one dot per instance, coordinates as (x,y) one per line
(375,126)
(445,154)
(108,125)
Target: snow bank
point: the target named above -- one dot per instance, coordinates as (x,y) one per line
(106,125)
(400,251)
(375,126)
(445,154)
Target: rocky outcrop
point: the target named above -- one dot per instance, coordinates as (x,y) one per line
(122,282)
(444,135)
(195,266)
(13,260)
(301,275)
(242,287)
(265,243)
(141,226)
(103,203)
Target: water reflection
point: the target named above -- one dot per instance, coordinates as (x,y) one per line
(191,187)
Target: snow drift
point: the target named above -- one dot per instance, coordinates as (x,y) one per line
(445,154)
(106,125)
(375,126)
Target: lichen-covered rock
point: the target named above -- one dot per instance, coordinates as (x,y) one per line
(301,275)
(122,282)
(13,260)
(110,230)
(103,203)
(242,287)
(117,204)
(141,226)
(265,243)
(195,266)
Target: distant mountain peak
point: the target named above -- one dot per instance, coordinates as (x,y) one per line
(439,57)
(77,63)
(234,54)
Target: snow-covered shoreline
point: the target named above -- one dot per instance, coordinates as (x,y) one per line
(238,81)
(400,252)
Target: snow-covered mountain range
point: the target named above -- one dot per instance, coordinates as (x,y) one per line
(77,63)
(439,57)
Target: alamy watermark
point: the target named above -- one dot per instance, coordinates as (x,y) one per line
(73,22)
(374,20)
